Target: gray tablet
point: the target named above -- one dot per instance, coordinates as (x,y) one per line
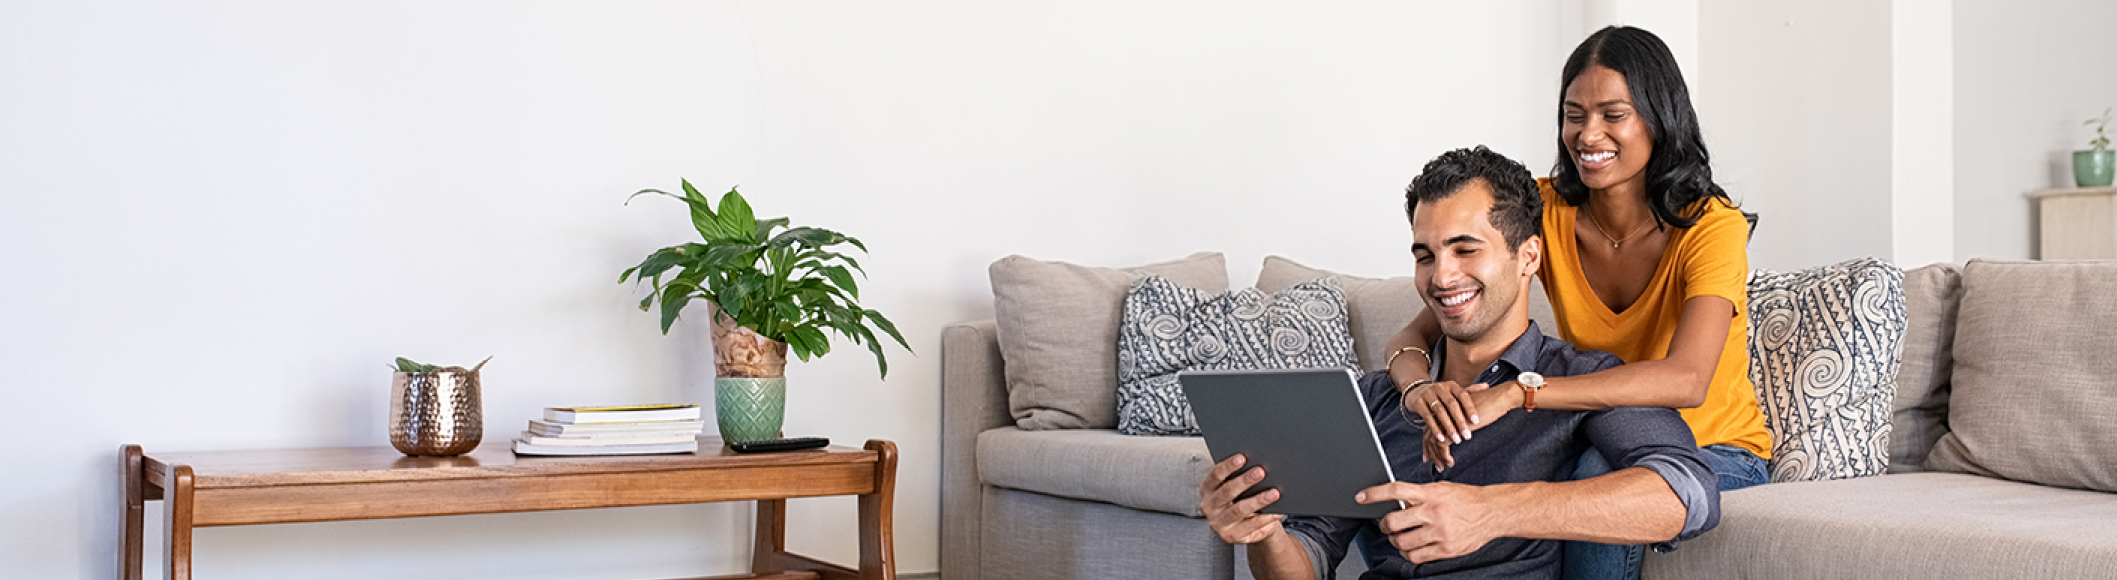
(1308,428)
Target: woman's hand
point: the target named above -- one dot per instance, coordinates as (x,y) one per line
(1453,412)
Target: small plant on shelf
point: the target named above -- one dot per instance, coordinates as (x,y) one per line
(2101,140)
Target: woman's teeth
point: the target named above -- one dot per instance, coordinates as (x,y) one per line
(1597,157)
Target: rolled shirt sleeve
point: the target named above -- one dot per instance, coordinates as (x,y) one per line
(1657,439)
(1325,538)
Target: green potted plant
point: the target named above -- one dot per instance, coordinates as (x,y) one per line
(2094,167)
(770,288)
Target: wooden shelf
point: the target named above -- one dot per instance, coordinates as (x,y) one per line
(233,488)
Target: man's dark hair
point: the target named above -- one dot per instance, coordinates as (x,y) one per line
(1679,173)
(1517,208)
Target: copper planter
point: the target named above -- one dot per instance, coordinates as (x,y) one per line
(436,414)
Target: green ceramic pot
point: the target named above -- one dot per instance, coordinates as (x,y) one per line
(2094,168)
(750,409)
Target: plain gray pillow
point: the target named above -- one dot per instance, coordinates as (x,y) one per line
(1058,333)
(2033,396)
(1931,294)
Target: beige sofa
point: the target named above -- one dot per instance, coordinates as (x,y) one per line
(2017,347)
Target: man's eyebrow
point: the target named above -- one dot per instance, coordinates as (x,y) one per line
(1463,239)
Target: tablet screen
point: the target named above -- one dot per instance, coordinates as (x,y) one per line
(1308,428)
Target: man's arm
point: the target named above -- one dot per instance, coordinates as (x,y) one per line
(1448,520)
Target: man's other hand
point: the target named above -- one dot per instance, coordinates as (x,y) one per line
(1237,522)
(1439,520)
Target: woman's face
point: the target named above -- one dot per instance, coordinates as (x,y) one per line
(1603,133)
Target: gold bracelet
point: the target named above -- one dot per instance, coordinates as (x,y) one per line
(1391,362)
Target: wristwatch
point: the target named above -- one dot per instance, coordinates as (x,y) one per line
(1531,383)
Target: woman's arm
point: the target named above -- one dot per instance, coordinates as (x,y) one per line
(1677,381)
(1422,332)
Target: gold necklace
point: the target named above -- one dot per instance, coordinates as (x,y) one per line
(1615,243)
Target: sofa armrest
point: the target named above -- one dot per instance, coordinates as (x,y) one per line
(973,400)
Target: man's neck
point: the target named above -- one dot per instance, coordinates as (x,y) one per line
(1464,361)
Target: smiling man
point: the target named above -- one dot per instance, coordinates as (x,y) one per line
(1497,513)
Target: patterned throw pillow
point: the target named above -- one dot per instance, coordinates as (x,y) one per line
(1824,347)
(1169,328)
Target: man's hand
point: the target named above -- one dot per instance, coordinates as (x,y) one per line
(1439,520)
(1453,412)
(1237,522)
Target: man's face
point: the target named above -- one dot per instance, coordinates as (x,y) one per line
(1466,274)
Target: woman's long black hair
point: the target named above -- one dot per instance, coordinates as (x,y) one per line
(1679,173)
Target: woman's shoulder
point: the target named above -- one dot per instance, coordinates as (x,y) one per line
(1716,211)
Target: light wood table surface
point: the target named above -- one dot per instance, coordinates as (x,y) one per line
(236,488)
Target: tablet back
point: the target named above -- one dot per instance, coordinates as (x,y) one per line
(1308,428)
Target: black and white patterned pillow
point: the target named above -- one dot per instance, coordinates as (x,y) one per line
(1824,345)
(1168,328)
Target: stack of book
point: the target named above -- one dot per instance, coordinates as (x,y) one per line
(634,430)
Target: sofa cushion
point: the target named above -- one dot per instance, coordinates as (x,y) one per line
(1930,297)
(1911,526)
(1058,333)
(2033,398)
(1169,328)
(1824,345)
(1149,473)
(1378,307)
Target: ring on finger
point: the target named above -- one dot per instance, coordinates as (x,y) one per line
(1434,403)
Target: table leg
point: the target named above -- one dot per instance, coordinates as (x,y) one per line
(132,511)
(877,547)
(771,542)
(176,504)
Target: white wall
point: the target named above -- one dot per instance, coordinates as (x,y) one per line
(2026,74)
(220,220)
(1922,132)
(1796,111)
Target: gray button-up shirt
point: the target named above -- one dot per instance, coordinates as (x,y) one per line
(1520,447)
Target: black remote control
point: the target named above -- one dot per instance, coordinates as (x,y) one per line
(787,444)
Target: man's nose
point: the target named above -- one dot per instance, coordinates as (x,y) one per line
(1447,271)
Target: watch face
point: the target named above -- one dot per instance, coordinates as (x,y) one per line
(1531,379)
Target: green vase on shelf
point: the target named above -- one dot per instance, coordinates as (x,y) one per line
(2094,168)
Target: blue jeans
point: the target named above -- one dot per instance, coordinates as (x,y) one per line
(1737,468)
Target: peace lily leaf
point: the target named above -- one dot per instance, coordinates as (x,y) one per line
(736,219)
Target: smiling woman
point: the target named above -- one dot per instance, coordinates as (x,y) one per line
(1655,276)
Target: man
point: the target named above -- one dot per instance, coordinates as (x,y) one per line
(1496,513)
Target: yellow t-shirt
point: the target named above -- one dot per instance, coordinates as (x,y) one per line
(1706,259)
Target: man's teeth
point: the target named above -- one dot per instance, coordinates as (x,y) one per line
(1457,299)
(1597,157)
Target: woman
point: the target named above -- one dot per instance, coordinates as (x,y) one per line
(1654,273)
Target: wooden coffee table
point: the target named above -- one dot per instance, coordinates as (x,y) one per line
(236,488)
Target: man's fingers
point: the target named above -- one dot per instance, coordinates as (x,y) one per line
(1257,502)
(1395,490)
(1251,530)
(1233,488)
(1226,467)
(1270,525)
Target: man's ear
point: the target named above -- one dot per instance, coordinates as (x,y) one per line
(1531,254)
